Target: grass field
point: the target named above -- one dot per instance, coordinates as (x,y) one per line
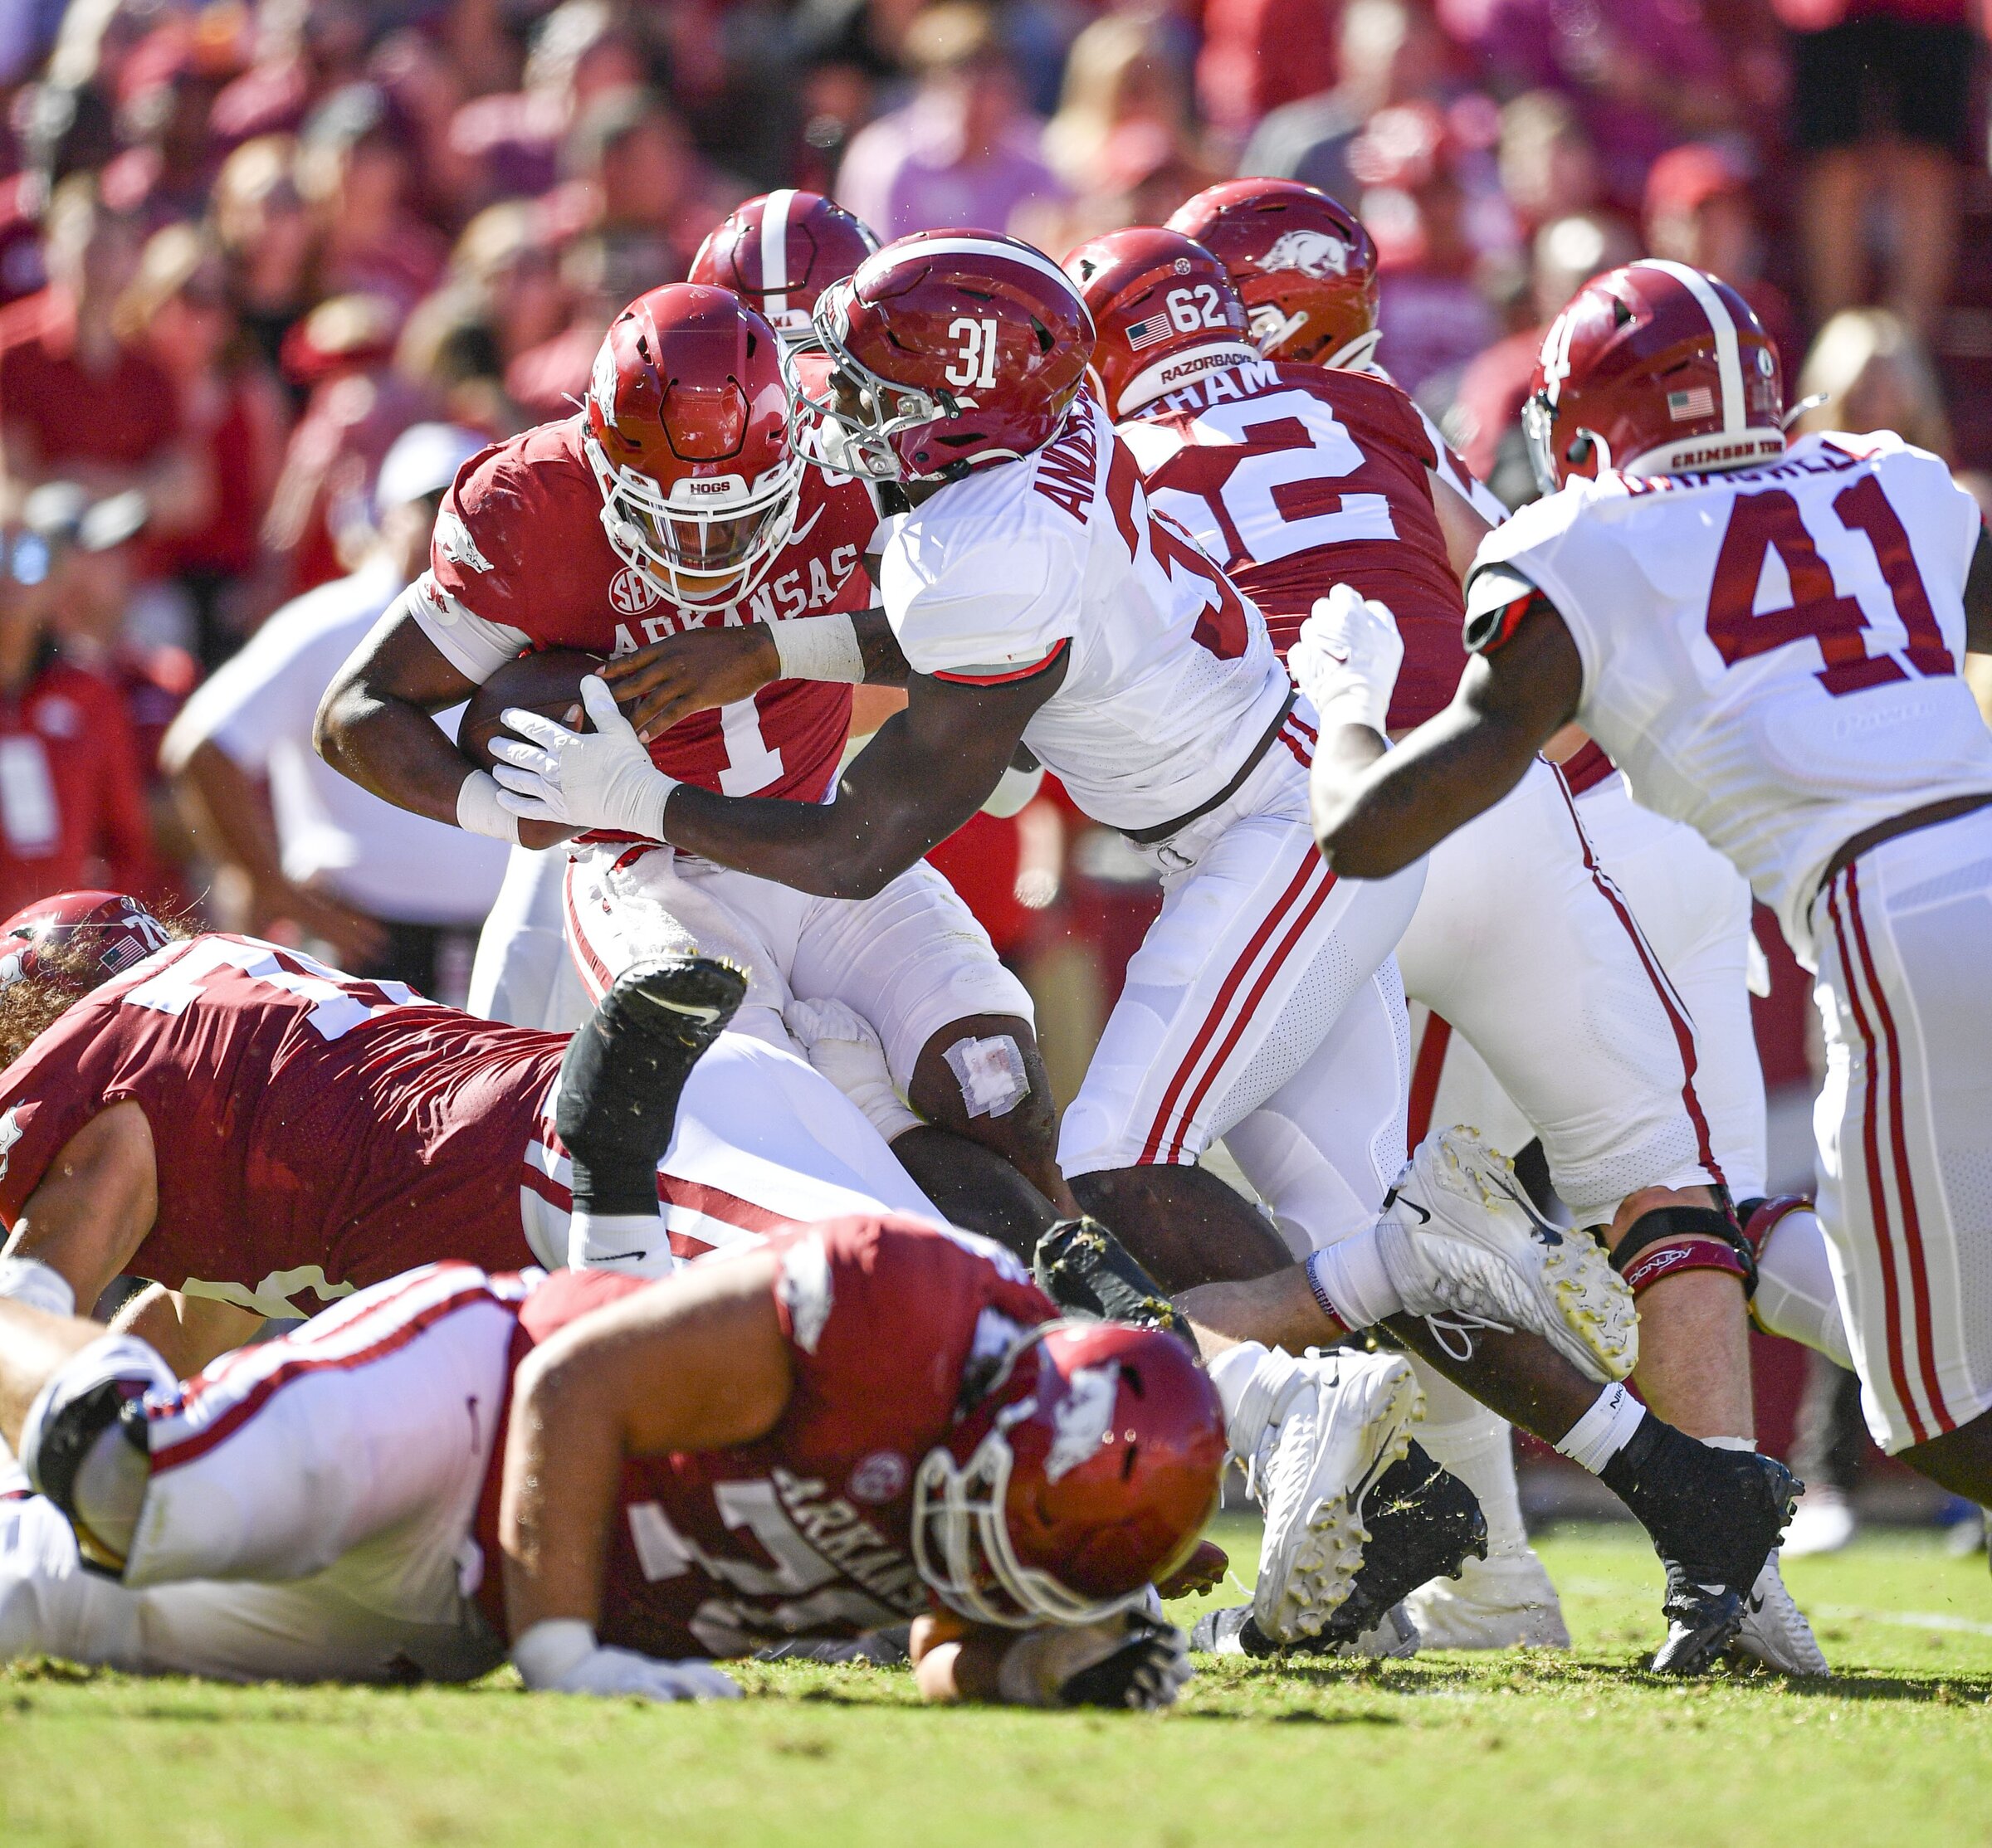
(1488,1751)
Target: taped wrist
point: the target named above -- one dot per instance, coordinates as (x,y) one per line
(551,1650)
(820,648)
(1671,1239)
(480,811)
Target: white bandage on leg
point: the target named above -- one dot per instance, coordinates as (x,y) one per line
(990,1072)
(1603,1431)
(820,648)
(1795,1295)
(39,1285)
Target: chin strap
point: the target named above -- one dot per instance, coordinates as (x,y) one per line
(1670,1240)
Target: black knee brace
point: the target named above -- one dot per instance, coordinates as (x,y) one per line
(616,1103)
(1670,1240)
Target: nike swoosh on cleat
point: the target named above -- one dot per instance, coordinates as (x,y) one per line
(1425,1216)
(616,1257)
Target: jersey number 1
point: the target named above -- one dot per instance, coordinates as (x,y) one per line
(1761,524)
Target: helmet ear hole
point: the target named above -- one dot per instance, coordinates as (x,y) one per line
(1580,449)
(1622,312)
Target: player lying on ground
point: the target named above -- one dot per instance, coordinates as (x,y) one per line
(1767,640)
(860,1424)
(675,497)
(1312,471)
(260,1135)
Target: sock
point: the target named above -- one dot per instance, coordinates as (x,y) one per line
(1249,1379)
(1476,1446)
(619,1239)
(1603,1431)
(1351,1282)
(1795,1295)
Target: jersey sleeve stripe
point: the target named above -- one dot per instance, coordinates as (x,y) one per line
(996,676)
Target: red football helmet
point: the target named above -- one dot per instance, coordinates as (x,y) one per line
(1084,1474)
(1164,311)
(1655,368)
(116,930)
(691,434)
(1303,263)
(949,349)
(779,252)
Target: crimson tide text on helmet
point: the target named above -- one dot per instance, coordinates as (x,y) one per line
(1302,261)
(113,932)
(1164,311)
(1084,1473)
(779,251)
(949,349)
(1654,369)
(691,438)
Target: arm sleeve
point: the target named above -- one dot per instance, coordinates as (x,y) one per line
(985,613)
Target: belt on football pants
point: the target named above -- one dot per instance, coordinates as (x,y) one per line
(1147,837)
(1927,816)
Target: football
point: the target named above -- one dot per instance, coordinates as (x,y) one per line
(548,682)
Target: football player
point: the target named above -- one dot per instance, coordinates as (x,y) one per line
(1300,476)
(1767,640)
(1031,594)
(676,498)
(261,1135)
(861,1424)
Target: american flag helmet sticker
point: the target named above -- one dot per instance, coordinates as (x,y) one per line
(1697,401)
(1145,333)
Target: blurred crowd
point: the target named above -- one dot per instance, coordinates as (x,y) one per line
(246,246)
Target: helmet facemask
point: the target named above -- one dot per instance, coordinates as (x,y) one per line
(961,1534)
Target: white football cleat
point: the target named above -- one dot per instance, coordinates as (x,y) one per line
(1505,1602)
(1465,1249)
(1775,1631)
(1824,1523)
(1339,1419)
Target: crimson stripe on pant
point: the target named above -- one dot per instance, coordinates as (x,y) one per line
(1671,1003)
(1425,1073)
(1310,865)
(1905,1181)
(476,1289)
(1877,1198)
(593,968)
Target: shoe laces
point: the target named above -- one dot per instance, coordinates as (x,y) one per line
(1461,1326)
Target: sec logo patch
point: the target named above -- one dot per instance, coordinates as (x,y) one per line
(632,592)
(878,1477)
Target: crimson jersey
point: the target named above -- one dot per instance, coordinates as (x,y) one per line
(1297,478)
(809,1531)
(520,560)
(313,1134)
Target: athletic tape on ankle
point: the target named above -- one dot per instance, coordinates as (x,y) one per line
(990,1072)
(1670,1240)
(1603,1431)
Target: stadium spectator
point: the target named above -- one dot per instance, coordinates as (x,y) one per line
(354,169)
(78,403)
(964,151)
(1698,210)
(1881,108)
(1390,51)
(1871,372)
(268,240)
(72,801)
(306,851)
(233,410)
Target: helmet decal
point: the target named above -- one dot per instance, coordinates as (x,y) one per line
(1314,253)
(1082,1420)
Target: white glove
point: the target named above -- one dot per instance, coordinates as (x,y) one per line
(1129,1660)
(846,1049)
(560,1656)
(1346,658)
(599,779)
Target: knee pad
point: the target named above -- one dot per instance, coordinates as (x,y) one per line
(1671,1239)
(617,1103)
(84,1442)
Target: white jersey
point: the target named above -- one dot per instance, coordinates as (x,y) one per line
(1769,654)
(1172,680)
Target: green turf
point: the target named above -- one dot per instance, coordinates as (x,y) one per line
(1487,1751)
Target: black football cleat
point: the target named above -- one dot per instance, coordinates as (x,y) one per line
(617,1103)
(1088,1272)
(1424,1522)
(1714,1516)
